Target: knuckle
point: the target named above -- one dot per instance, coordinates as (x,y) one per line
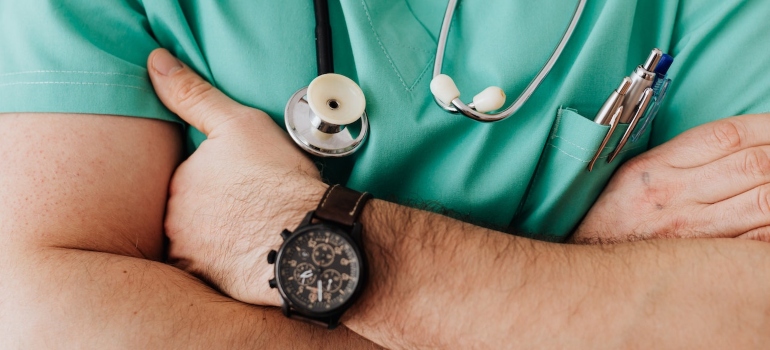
(728,135)
(635,166)
(755,162)
(763,200)
(763,235)
(191,91)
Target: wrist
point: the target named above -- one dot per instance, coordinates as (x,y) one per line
(386,244)
(292,199)
(295,201)
(321,267)
(305,198)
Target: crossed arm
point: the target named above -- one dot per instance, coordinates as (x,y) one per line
(444,284)
(81,222)
(82,200)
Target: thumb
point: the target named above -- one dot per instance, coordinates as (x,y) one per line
(188,95)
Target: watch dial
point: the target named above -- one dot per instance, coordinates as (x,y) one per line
(319,270)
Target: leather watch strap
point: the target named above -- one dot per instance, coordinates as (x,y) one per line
(341,205)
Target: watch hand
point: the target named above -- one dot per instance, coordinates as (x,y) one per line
(305,275)
(330,284)
(320,290)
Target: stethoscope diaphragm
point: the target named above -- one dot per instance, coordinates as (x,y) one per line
(328,118)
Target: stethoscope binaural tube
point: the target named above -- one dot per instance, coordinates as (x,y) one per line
(447,96)
(318,117)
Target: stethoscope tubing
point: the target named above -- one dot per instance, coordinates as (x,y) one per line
(323,38)
(459,107)
(314,132)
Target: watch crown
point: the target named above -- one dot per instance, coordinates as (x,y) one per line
(285,234)
(271,257)
(272,283)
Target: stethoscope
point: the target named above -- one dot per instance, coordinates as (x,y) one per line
(328,117)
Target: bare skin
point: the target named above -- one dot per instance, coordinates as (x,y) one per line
(712,181)
(440,283)
(82,200)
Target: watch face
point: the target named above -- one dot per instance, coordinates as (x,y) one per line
(318,269)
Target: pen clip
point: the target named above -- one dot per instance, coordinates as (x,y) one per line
(613,125)
(641,108)
(652,112)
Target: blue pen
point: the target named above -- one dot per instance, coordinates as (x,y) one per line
(653,112)
(661,71)
(660,87)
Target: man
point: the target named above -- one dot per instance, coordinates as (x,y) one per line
(74,212)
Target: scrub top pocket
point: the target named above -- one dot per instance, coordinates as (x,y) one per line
(562,189)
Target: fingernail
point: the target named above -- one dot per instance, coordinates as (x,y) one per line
(165,63)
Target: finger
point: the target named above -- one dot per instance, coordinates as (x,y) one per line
(743,213)
(709,142)
(188,95)
(734,174)
(760,234)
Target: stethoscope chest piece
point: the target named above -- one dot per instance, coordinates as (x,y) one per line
(323,118)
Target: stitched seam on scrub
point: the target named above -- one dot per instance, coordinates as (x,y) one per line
(419,78)
(72,72)
(419,49)
(556,136)
(557,124)
(571,143)
(392,65)
(588,161)
(76,83)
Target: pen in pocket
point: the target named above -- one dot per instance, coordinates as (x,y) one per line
(635,102)
(612,103)
(660,87)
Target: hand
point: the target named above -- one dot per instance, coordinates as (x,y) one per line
(231,199)
(711,181)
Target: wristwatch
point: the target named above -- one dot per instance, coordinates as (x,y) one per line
(320,269)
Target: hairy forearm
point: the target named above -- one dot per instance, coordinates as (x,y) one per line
(438,282)
(82,200)
(53,298)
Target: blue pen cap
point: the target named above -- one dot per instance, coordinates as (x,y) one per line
(664,64)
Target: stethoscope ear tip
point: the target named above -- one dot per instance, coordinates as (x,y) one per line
(444,89)
(491,99)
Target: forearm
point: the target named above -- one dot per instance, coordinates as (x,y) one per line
(82,200)
(80,299)
(437,282)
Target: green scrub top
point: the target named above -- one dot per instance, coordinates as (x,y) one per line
(526,175)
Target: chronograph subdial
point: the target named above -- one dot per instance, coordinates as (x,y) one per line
(305,274)
(318,270)
(332,280)
(323,254)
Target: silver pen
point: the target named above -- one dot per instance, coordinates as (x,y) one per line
(612,103)
(639,111)
(613,123)
(610,114)
(641,79)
